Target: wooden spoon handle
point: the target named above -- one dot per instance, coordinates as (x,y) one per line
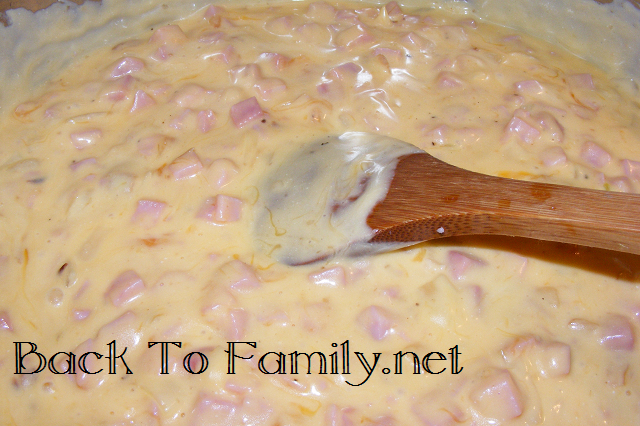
(431,199)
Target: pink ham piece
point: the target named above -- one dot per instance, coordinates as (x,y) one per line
(520,128)
(529,87)
(148,213)
(245,73)
(84,162)
(5,321)
(127,287)
(214,410)
(245,112)
(581,81)
(220,172)
(332,277)
(239,276)
(342,72)
(141,100)
(84,380)
(393,11)
(281,26)
(497,397)
(553,156)
(620,184)
(551,359)
(85,138)
(81,314)
(277,60)
(228,55)
(631,169)
(236,324)
(269,88)
(376,321)
(205,120)
(126,66)
(169,34)
(186,166)
(321,11)
(213,11)
(448,80)
(125,329)
(189,96)
(616,333)
(594,154)
(221,209)
(460,263)
(353,36)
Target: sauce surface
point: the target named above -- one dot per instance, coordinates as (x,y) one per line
(129,189)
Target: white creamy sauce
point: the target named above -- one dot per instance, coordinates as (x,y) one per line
(132,182)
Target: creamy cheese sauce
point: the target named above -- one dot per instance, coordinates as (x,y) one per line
(130,187)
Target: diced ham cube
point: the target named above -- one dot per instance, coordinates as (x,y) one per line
(523,130)
(529,87)
(5,321)
(594,154)
(239,276)
(269,88)
(221,209)
(315,34)
(280,26)
(631,169)
(620,184)
(448,80)
(81,314)
(393,11)
(85,138)
(206,120)
(551,359)
(581,81)
(221,171)
(141,100)
(321,11)
(497,397)
(616,333)
(245,73)
(353,36)
(211,409)
(126,66)
(237,324)
(377,321)
(127,287)
(84,162)
(460,263)
(148,213)
(213,11)
(153,145)
(186,166)
(92,364)
(553,156)
(331,277)
(245,112)
(125,330)
(189,96)
(169,34)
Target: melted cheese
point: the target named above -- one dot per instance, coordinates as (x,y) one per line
(129,190)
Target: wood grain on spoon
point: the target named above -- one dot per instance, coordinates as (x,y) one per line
(431,199)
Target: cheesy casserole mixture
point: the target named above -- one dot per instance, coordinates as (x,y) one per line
(129,186)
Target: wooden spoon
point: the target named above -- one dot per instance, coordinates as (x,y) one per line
(360,193)
(431,199)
